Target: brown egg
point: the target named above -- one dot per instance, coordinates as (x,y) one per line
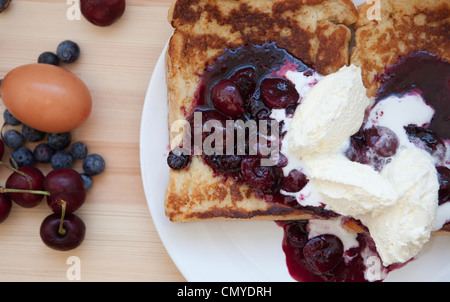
(46,97)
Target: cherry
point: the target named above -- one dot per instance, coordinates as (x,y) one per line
(278,93)
(256,176)
(27,178)
(224,163)
(382,140)
(444,184)
(63,231)
(297,234)
(245,80)
(227,98)
(2,148)
(102,12)
(323,253)
(65,185)
(5,207)
(294,182)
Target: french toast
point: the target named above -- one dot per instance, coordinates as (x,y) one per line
(314,31)
(404,27)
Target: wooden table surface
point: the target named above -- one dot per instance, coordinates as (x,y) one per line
(116,64)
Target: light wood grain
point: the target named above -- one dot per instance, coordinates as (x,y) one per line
(116,64)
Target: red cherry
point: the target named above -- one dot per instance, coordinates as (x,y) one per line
(102,12)
(227,98)
(278,93)
(65,185)
(28,178)
(323,253)
(62,232)
(5,207)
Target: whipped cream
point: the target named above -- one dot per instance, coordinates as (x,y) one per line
(401,231)
(398,204)
(349,188)
(332,111)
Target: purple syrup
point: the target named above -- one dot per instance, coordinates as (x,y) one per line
(256,62)
(428,73)
(295,241)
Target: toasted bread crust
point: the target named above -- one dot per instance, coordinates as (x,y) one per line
(315,31)
(405,26)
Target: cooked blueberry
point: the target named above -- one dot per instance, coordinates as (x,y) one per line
(294,182)
(93,164)
(68,51)
(87,181)
(356,152)
(278,93)
(31,134)
(13,139)
(59,141)
(297,234)
(257,176)
(22,156)
(10,119)
(48,58)
(444,184)
(428,137)
(61,159)
(257,110)
(178,160)
(245,80)
(43,153)
(79,150)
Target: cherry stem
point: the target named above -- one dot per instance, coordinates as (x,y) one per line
(61,229)
(17,171)
(11,190)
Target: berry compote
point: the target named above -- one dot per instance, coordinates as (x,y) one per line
(245,85)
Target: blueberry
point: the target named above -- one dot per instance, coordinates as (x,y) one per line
(48,58)
(31,134)
(10,119)
(178,161)
(4,4)
(61,159)
(93,164)
(22,157)
(87,181)
(68,51)
(79,150)
(43,153)
(59,141)
(13,139)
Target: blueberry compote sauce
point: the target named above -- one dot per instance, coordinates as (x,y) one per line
(246,84)
(322,258)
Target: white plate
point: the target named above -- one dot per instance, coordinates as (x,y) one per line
(233,251)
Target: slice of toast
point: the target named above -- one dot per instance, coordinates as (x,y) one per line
(404,27)
(314,31)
